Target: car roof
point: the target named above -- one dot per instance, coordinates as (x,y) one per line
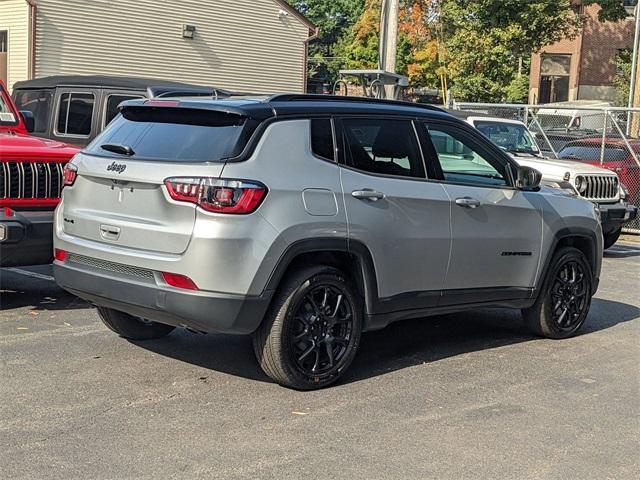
(597,141)
(100,81)
(261,108)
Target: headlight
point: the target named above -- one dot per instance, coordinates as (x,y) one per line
(624,191)
(581,184)
(564,186)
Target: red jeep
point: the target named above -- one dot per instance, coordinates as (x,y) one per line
(31,180)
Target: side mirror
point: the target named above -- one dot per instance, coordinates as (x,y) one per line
(528,179)
(28,119)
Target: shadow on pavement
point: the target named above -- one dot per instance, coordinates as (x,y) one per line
(401,345)
(18,291)
(623,251)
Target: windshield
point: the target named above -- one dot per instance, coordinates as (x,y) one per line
(175,135)
(37,102)
(509,136)
(7,116)
(550,122)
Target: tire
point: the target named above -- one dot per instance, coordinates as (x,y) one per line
(133,328)
(611,238)
(555,315)
(304,342)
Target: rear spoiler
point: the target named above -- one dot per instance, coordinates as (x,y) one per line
(171,92)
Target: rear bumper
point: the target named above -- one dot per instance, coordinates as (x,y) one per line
(615,215)
(26,238)
(202,311)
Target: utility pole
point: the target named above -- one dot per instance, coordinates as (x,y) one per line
(389,35)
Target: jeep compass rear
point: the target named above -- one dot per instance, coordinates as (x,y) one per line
(307,220)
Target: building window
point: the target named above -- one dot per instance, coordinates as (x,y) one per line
(75,114)
(630,6)
(554,78)
(4,41)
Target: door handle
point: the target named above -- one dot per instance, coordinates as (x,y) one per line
(467,202)
(367,194)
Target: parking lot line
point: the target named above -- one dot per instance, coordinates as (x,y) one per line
(27,273)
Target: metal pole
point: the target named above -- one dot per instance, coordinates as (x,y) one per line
(634,69)
(391,36)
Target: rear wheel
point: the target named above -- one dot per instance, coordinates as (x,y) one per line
(611,238)
(563,304)
(133,328)
(312,331)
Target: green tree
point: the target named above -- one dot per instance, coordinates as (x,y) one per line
(622,80)
(334,19)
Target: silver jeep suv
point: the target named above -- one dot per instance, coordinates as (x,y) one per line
(306,220)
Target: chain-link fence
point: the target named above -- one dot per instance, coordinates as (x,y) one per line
(604,136)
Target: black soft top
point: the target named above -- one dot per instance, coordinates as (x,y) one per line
(100,81)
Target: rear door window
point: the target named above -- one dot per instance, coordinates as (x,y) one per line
(383,147)
(176,134)
(75,114)
(37,102)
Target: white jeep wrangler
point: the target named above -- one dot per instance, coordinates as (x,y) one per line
(599,185)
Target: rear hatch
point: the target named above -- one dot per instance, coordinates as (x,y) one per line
(119,196)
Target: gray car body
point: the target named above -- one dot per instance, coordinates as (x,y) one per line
(412,253)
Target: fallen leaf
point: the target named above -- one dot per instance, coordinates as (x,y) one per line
(299,413)
(67,324)
(23,328)
(31,312)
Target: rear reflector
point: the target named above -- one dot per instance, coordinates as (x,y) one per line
(179,281)
(60,255)
(238,197)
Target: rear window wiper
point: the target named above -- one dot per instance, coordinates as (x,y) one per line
(118,148)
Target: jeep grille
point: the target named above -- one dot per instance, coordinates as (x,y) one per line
(23,180)
(600,187)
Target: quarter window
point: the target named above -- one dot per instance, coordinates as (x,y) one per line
(463,159)
(112,106)
(381,146)
(322,139)
(75,114)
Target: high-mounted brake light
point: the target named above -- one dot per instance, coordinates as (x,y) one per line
(69,174)
(238,197)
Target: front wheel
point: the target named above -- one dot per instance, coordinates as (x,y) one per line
(563,304)
(611,238)
(312,331)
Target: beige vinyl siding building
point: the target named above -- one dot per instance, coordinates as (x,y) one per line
(15,21)
(246,45)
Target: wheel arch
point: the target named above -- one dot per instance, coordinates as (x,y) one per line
(352,258)
(580,238)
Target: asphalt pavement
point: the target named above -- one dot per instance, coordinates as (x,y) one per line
(464,396)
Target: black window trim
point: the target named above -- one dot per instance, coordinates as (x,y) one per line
(334,160)
(58,102)
(343,149)
(499,155)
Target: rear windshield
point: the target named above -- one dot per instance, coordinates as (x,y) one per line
(175,135)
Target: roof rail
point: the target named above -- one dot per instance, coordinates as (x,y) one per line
(299,97)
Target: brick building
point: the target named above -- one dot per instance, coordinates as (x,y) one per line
(582,68)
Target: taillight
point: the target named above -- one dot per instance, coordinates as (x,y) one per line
(179,281)
(60,255)
(238,197)
(69,174)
